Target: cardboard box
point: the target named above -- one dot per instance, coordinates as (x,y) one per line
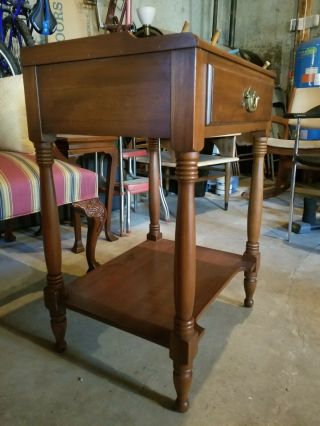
(75,19)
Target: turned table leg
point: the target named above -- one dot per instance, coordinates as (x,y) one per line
(227,182)
(54,291)
(254,218)
(112,157)
(184,339)
(154,194)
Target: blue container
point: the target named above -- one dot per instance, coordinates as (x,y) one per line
(307,74)
(307,66)
(235,183)
(306,134)
(309,134)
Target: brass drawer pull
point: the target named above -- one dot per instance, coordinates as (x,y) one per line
(250,100)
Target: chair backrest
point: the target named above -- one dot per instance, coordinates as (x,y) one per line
(302,100)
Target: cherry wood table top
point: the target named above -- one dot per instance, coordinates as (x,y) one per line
(153,86)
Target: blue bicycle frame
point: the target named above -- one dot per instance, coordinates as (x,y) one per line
(15,9)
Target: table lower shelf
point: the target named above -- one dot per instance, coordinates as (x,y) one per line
(134,292)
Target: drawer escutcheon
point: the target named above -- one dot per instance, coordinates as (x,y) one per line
(250,100)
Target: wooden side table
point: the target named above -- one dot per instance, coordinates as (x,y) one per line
(176,87)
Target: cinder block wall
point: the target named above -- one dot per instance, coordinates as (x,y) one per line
(170,15)
(261,26)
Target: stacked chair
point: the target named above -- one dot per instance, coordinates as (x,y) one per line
(304,113)
(131,184)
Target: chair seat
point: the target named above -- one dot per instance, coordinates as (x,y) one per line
(204,160)
(288,143)
(136,186)
(133,153)
(20,184)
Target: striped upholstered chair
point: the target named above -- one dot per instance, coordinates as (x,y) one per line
(19,173)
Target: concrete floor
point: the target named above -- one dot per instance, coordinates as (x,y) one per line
(254,367)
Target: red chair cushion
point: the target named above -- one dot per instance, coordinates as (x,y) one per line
(20,184)
(132,153)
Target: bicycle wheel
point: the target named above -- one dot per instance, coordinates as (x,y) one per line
(17,35)
(8,64)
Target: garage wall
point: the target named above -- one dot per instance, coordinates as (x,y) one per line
(170,15)
(261,26)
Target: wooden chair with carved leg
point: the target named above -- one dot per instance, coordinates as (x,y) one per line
(73,146)
(19,194)
(20,179)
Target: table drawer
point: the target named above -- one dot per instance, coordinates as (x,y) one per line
(227,87)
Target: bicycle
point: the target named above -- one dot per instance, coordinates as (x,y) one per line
(14,25)
(8,64)
(119,18)
(18,19)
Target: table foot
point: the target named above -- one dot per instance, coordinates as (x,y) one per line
(59,331)
(181,406)
(182,378)
(53,302)
(61,346)
(250,284)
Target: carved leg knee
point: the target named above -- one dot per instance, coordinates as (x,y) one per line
(96,215)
